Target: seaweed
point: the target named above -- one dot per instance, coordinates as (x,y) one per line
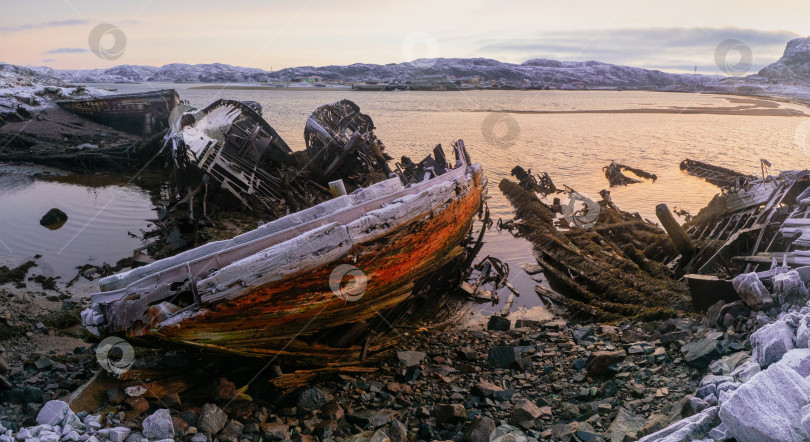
(605,271)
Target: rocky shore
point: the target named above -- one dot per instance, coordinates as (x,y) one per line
(692,377)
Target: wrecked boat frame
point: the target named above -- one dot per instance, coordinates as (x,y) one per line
(144,113)
(267,292)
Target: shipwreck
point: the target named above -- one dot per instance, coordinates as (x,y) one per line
(144,113)
(352,241)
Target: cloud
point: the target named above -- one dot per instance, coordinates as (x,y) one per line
(47,24)
(66,51)
(48,60)
(674,48)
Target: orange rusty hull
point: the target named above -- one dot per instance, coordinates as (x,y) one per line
(295,315)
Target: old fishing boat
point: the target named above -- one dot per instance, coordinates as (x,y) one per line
(307,284)
(143,113)
(228,144)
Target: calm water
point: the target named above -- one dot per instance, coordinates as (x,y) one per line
(571,147)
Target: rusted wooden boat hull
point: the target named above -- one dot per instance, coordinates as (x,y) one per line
(279,302)
(142,113)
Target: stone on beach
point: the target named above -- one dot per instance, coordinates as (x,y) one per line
(701,353)
(599,362)
(771,342)
(767,407)
(751,290)
(212,419)
(159,425)
(687,429)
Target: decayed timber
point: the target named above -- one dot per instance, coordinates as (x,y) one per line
(267,292)
(143,113)
(719,176)
(763,215)
(229,143)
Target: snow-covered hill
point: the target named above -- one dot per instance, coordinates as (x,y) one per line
(542,71)
(793,67)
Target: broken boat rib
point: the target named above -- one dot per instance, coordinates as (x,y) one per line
(267,292)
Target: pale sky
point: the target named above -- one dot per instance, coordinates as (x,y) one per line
(673,36)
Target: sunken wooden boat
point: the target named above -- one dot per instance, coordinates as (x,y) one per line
(278,291)
(143,113)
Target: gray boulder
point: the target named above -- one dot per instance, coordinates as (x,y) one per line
(751,290)
(687,429)
(802,335)
(159,425)
(771,342)
(797,359)
(788,287)
(212,419)
(767,407)
(746,370)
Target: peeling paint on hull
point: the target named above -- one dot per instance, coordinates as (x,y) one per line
(279,318)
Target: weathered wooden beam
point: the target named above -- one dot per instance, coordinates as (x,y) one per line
(674,230)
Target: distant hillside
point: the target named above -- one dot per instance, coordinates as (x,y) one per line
(793,67)
(540,71)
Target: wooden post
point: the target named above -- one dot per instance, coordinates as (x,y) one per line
(674,230)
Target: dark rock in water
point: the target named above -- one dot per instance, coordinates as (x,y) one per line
(599,362)
(499,323)
(410,358)
(312,399)
(212,419)
(54,219)
(768,407)
(700,354)
(771,342)
(449,413)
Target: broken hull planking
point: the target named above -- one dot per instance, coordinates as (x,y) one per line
(276,318)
